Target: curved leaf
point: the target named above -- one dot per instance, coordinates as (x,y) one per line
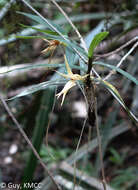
(95,42)
(30,37)
(117,96)
(49,35)
(41,30)
(37,87)
(126,74)
(41,21)
(42,65)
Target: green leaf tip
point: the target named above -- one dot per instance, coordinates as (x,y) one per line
(95,42)
(124,73)
(117,96)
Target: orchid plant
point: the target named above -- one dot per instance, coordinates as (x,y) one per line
(55,36)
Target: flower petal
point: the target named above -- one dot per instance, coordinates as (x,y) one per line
(50,48)
(66,88)
(63,75)
(68,67)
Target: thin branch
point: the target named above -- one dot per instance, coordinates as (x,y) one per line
(117,130)
(82,130)
(5,9)
(99,143)
(27,140)
(117,50)
(104,46)
(95,72)
(121,61)
(85,98)
(71,23)
(55,29)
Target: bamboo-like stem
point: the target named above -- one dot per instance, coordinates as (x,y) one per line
(28,141)
(92,100)
(91,95)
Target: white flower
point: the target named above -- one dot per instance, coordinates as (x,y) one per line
(66,88)
(72,82)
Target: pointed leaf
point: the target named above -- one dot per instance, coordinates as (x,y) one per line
(30,37)
(69,59)
(95,42)
(41,65)
(41,21)
(67,66)
(117,96)
(126,74)
(37,87)
(66,41)
(41,30)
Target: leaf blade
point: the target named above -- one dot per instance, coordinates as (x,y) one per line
(95,42)
(117,96)
(37,87)
(124,73)
(41,21)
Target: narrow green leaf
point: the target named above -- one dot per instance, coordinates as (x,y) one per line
(46,36)
(40,124)
(126,74)
(117,96)
(41,30)
(41,21)
(66,41)
(95,42)
(37,87)
(43,65)
(30,37)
